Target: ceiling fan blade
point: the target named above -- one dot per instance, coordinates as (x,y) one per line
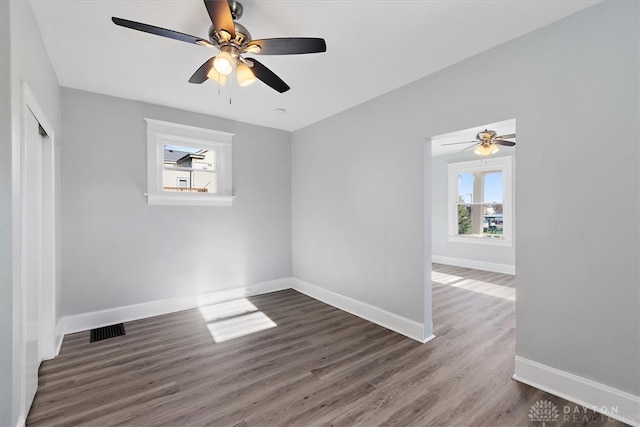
(287,46)
(200,76)
(503,142)
(268,77)
(152,29)
(220,15)
(470,147)
(456,143)
(509,136)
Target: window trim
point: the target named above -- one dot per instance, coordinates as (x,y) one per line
(160,133)
(503,164)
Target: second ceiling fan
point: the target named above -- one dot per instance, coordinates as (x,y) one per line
(487,142)
(233,40)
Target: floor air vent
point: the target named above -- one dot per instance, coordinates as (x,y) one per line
(107,332)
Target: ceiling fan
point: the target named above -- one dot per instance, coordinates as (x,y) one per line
(487,142)
(233,40)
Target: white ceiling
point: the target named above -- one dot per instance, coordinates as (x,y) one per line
(373,47)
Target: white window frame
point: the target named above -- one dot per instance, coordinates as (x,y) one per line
(159,134)
(501,164)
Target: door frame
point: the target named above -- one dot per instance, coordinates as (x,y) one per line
(47,347)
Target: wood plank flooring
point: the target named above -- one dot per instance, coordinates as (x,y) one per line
(318,367)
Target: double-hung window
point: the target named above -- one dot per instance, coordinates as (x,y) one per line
(481,201)
(188,165)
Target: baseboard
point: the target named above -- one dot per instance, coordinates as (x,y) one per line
(59,336)
(394,322)
(96,319)
(21,421)
(478,265)
(601,398)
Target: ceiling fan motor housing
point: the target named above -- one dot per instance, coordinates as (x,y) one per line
(486,135)
(243,36)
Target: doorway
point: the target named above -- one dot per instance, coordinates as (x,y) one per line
(472,198)
(36,296)
(472,205)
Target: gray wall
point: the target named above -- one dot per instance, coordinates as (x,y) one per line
(578,275)
(6,284)
(117,250)
(358,189)
(23,58)
(441,246)
(358,208)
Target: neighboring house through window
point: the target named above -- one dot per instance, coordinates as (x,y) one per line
(481,201)
(189,169)
(187,165)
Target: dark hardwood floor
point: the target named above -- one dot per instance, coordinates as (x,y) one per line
(318,367)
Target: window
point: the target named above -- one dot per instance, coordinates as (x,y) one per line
(481,202)
(187,165)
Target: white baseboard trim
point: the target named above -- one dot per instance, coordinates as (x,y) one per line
(601,398)
(59,337)
(96,319)
(394,322)
(478,265)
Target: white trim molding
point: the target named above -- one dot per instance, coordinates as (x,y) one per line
(189,199)
(487,241)
(605,400)
(402,325)
(47,293)
(96,319)
(59,337)
(160,133)
(472,263)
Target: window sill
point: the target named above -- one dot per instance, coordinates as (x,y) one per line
(178,199)
(480,241)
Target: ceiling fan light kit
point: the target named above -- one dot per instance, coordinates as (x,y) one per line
(244,74)
(223,63)
(486,149)
(233,40)
(215,76)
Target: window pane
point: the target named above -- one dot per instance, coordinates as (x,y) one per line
(492,222)
(480,220)
(465,219)
(493,187)
(465,187)
(189,169)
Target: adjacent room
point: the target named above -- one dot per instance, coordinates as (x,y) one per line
(302,213)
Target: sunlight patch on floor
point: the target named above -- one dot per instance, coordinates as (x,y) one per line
(235,327)
(479,286)
(227,309)
(234,319)
(444,278)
